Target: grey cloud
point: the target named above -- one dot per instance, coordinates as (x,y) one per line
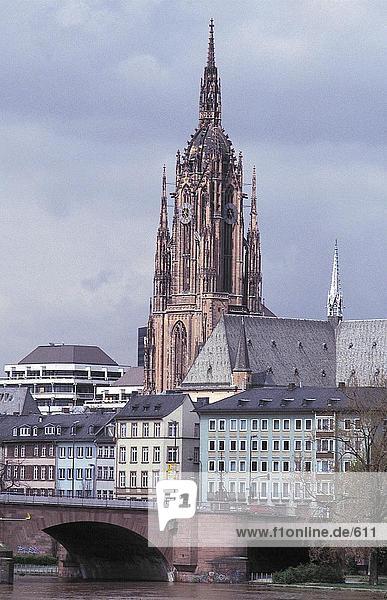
(97,95)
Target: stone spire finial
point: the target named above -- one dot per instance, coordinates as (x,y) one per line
(253,211)
(164,207)
(210,100)
(335,296)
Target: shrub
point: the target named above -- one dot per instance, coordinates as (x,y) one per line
(35,559)
(310,573)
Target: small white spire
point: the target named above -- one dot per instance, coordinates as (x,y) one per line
(335,296)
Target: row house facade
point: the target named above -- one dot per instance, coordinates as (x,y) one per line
(256,444)
(157,438)
(64,455)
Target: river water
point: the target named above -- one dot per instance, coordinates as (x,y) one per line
(53,588)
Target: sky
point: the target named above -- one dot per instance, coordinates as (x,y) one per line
(97,95)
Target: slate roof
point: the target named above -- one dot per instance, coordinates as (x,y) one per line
(362,352)
(17,400)
(68,353)
(152,406)
(85,422)
(300,399)
(133,376)
(305,352)
(280,351)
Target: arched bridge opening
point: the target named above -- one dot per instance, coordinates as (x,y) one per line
(98,550)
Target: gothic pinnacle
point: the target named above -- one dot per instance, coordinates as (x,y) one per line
(335,296)
(164,207)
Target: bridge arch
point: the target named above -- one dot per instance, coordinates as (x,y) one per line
(102,550)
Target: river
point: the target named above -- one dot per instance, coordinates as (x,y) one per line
(53,588)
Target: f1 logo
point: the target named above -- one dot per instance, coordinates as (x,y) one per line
(175,500)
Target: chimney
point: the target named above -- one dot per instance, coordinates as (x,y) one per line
(341,385)
(291,385)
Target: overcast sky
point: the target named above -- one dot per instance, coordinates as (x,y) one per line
(96,95)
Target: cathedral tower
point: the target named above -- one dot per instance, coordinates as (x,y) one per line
(204,266)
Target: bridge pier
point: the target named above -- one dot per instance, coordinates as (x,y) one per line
(6,565)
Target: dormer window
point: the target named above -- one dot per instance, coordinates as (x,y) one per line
(58,430)
(14,431)
(35,430)
(25,430)
(49,430)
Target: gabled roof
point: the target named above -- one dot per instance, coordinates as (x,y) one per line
(279,351)
(152,406)
(17,400)
(68,353)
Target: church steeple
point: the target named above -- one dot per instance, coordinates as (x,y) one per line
(164,207)
(335,296)
(254,272)
(210,98)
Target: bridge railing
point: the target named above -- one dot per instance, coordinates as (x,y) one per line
(83,502)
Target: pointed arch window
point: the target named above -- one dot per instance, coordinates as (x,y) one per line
(227,246)
(179,353)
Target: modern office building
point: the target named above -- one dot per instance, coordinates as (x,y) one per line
(62,377)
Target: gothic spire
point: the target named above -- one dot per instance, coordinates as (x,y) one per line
(253,210)
(210,100)
(163,207)
(335,296)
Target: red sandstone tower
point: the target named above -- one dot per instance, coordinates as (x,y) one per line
(205,266)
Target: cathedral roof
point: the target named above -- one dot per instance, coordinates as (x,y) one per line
(306,352)
(209,140)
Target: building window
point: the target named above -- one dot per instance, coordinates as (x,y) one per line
(308,424)
(51,450)
(133,454)
(221,445)
(173,428)
(22,472)
(145,429)
(325,424)
(285,466)
(155,478)
(275,490)
(105,473)
(16,451)
(61,473)
(70,452)
(233,445)
(325,445)
(49,430)
(36,472)
(89,452)
(264,466)
(264,425)
(122,429)
(172,454)
(263,490)
(111,473)
(232,466)
(133,479)
(307,466)
(121,479)
(145,454)
(25,431)
(276,445)
(275,466)
(122,454)
(308,445)
(111,451)
(99,472)
(211,445)
(211,466)
(254,425)
(276,424)
(144,479)
(285,445)
(43,451)
(79,473)
(347,424)
(221,425)
(254,466)
(254,445)
(298,424)
(286,424)
(196,455)
(264,445)
(79,451)
(51,472)
(156,454)
(212,425)
(233,425)
(242,424)
(62,452)
(242,466)
(242,445)
(43,472)
(221,466)
(157,429)
(88,473)
(297,445)
(134,430)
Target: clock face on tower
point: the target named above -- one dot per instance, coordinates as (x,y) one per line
(230,213)
(185,213)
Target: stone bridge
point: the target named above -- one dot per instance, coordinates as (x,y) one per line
(98,539)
